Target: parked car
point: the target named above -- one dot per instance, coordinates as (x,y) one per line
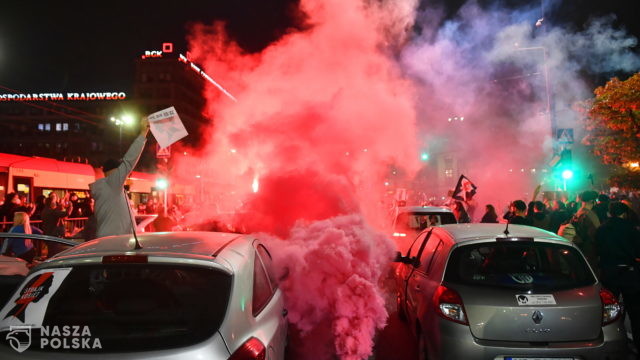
(483,291)
(181,295)
(409,221)
(13,269)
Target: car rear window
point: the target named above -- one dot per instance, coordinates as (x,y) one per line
(519,265)
(138,307)
(420,220)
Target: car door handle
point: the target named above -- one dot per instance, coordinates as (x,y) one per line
(285,312)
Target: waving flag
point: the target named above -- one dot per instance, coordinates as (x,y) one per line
(464,190)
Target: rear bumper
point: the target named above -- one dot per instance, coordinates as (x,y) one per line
(455,341)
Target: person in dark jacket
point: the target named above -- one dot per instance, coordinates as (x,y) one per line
(490,215)
(11,205)
(540,218)
(460,213)
(519,209)
(558,216)
(618,246)
(53,215)
(601,207)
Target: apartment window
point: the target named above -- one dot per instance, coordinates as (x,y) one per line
(41,127)
(58,127)
(65,127)
(448,173)
(47,127)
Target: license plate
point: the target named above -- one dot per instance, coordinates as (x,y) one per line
(536,358)
(537,299)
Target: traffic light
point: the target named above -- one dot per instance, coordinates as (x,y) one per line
(424,156)
(567,174)
(162,183)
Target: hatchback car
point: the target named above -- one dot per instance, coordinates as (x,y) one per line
(185,295)
(411,220)
(483,291)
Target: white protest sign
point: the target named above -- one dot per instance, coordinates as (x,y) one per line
(29,305)
(167,127)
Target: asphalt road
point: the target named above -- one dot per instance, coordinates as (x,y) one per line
(395,341)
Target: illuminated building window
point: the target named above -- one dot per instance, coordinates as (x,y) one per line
(448,173)
(58,127)
(47,127)
(65,127)
(41,127)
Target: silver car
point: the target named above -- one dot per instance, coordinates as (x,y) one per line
(184,295)
(483,291)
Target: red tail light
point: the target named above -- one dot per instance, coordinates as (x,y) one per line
(449,305)
(611,308)
(252,349)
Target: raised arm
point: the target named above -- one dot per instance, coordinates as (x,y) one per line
(131,157)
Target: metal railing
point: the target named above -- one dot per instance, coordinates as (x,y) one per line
(71,225)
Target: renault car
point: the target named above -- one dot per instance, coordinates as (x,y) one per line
(487,291)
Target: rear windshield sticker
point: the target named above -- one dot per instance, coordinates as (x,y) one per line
(521,278)
(29,305)
(526,299)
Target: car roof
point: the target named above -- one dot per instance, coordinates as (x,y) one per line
(199,243)
(469,232)
(424,209)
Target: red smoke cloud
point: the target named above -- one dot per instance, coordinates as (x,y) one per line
(333,290)
(303,154)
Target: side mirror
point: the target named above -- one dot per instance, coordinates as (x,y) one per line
(404,259)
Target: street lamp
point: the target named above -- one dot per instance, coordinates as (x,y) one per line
(124,120)
(545,72)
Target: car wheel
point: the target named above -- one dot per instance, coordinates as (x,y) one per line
(400,309)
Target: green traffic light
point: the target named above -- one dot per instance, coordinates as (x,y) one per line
(567,174)
(424,156)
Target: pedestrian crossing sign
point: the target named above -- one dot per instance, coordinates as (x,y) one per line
(564,135)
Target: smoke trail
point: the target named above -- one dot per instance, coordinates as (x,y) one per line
(332,290)
(322,115)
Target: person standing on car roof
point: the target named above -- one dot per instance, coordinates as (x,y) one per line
(112,210)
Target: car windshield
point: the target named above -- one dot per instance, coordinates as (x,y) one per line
(136,307)
(519,265)
(416,221)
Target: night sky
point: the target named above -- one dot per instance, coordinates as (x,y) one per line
(91,46)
